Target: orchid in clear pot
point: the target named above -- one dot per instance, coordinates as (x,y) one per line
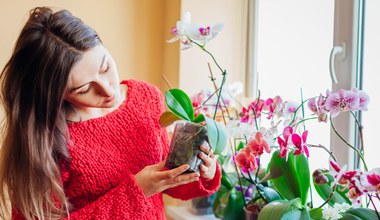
(192,130)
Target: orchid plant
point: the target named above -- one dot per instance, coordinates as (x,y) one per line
(274,128)
(282,188)
(179,104)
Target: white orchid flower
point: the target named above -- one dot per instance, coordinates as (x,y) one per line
(188,32)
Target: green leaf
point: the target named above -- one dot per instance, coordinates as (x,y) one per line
(217,135)
(271,194)
(292,215)
(167,118)
(180,104)
(277,209)
(316,214)
(360,213)
(293,176)
(324,191)
(228,204)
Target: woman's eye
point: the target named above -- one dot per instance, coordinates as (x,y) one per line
(84,92)
(105,69)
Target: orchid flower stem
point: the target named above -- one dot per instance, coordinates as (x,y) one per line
(306,119)
(330,196)
(216,90)
(224,73)
(360,127)
(349,145)
(257,187)
(254,111)
(374,207)
(325,148)
(295,112)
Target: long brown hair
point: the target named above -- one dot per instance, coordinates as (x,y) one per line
(34,82)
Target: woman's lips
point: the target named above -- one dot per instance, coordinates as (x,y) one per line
(110,99)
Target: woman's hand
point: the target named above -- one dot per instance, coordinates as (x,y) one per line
(208,169)
(153,179)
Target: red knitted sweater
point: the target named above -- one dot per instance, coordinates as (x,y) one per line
(107,152)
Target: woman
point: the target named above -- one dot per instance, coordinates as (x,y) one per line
(78,143)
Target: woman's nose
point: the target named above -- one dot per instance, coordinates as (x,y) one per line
(105,89)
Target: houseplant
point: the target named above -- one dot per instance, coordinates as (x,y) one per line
(191,130)
(288,170)
(280,188)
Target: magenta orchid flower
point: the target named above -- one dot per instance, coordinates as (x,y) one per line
(300,143)
(284,150)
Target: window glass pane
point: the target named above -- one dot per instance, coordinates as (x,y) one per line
(294,42)
(371,69)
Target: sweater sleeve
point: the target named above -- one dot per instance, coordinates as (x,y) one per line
(196,189)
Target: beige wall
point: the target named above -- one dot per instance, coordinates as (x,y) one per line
(227,47)
(134,31)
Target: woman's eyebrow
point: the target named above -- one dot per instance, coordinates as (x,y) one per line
(103,60)
(101,64)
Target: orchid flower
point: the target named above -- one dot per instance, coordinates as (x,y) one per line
(342,100)
(246,159)
(258,145)
(363,99)
(188,32)
(300,143)
(284,150)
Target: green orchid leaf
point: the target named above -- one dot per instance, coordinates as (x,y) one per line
(180,104)
(360,213)
(349,216)
(228,204)
(240,146)
(167,118)
(225,181)
(220,201)
(303,176)
(296,215)
(316,214)
(199,118)
(271,194)
(324,191)
(293,176)
(277,209)
(217,135)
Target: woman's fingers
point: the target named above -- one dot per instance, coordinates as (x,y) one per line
(168,174)
(182,179)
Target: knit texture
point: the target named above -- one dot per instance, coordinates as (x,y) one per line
(107,152)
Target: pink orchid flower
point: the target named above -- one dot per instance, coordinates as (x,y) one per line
(300,143)
(258,145)
(284,150)
(318,108)
(271,105)
(342,100)
(363,99)
(253,110)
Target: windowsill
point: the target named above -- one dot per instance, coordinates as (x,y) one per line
(184,213)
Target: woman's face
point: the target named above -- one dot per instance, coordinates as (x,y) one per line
(94,81)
